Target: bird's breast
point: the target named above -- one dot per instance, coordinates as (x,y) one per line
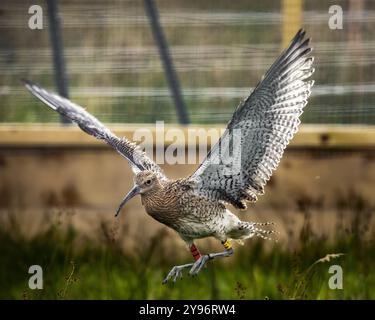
(184,211)
(163,207)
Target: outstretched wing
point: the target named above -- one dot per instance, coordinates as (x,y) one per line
(238,167)
(137,159)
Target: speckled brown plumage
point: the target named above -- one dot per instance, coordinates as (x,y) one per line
(176,204)
(254,142)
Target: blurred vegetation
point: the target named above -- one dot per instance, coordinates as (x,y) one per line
(76,268)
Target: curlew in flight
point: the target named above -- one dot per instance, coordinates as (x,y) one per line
(194,206)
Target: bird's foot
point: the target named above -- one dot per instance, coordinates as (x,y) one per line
(199,264)
(176,272)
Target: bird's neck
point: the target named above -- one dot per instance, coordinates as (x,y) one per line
(162,202)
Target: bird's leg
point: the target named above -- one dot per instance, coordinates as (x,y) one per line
(202,260)
(195,252)
(176,271)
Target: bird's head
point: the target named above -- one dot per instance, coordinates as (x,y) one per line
(144,182)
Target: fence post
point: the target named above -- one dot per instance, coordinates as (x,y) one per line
(165,56)
(58,53)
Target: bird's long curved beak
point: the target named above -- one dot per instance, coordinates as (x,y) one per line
(132,193)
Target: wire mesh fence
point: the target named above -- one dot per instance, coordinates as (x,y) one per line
(220,51)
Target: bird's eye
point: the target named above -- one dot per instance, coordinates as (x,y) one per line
(148,182)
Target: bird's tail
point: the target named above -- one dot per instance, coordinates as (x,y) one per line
(251,229)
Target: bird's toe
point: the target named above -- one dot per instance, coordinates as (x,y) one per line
(198,265)
(176,272)
(170,275)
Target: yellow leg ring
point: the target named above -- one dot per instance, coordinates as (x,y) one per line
(227,245)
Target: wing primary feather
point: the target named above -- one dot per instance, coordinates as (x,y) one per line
(92,126)
(268,120)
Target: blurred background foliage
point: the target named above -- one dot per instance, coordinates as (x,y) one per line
(78,268)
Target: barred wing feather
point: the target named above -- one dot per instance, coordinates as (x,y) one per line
(259,131)
(137,159)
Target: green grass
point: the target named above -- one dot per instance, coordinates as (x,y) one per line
(75,268)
